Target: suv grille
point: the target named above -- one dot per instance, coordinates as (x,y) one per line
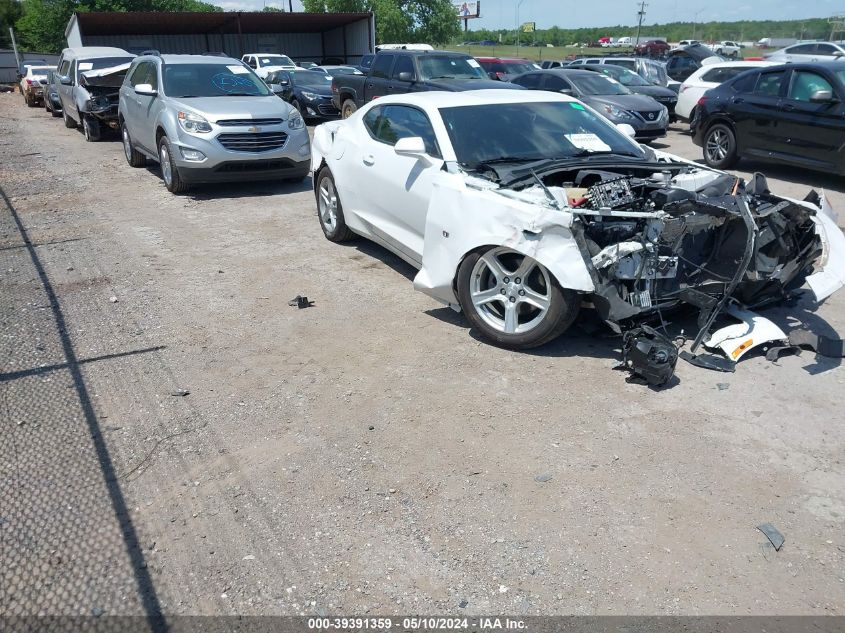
(259,142)
(234,122)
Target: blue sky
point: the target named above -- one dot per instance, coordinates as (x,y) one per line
(575,13)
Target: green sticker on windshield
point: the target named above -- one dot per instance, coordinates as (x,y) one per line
(576,106)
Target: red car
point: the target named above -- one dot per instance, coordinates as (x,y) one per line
(505,68)
(652,48)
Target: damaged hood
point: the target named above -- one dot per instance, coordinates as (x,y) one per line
(110,77)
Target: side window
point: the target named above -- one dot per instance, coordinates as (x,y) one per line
(745,84)
(556,84)
(72,72)
(801,49)
(63,70)
(404,64)
(381,66)
(592,61)
(827,50)
(768,84)
(405,122)
(531,81)
(139,75)
(721,75)
(250,61)
(372,120)
(805,83)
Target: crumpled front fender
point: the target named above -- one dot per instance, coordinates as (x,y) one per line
(323,145)
(461,219)
(831,276)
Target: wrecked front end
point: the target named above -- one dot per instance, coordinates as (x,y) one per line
(659,235)
(101,93)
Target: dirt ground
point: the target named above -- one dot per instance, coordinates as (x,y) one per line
(367,455)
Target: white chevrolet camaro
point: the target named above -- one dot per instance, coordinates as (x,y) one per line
(519,207)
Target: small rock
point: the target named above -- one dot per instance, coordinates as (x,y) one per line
(462,604)
(503,589)
(723,386)
(219,271)
(113,299)
(180,393)
(371,428)
(392,491)
(69,268)
(97,612)
(543,478)
(249,557)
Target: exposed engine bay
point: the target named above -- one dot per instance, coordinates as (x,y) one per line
(103,88)
(655,240)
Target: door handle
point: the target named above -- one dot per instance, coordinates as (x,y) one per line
(789,107)
(369,160)
(738,100)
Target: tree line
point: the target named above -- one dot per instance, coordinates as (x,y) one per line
(747,30)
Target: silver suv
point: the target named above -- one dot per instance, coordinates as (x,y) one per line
(209,119)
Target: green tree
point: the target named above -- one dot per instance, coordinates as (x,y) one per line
(336,6)
(10,12)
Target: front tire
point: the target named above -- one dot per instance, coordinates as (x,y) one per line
(512,299)
(169,173)
(69,122)
(348,108)
(91,129)
(720,147)
(330,210)
(133,156)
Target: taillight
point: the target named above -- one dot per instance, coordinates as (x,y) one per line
(701,101)
(29,82)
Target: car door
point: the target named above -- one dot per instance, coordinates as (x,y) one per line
(813,130)
(376,83)
(147,105)
(826,52)
(532,81)
(397,85)
(755,111)
(800,53)
(399,186)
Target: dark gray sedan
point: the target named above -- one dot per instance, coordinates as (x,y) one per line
(606,96)
(636,84)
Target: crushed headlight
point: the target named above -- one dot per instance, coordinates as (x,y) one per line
(295,121)
(191,154)
(96,104)
(193,123)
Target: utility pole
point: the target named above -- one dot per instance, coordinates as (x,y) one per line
(518,29)
(640,15)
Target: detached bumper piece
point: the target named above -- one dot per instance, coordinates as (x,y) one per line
(798,339)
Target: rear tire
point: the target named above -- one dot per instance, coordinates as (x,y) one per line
(329,209)
(512,300)
(169,172)
(348,108)
(133,156)
(720,147)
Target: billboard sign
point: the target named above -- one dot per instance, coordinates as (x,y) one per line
(468,10)
(529,27)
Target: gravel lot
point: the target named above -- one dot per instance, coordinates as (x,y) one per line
(367,455)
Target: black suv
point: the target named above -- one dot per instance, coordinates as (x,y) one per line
(791,114)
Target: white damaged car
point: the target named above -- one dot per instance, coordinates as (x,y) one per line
(520,207)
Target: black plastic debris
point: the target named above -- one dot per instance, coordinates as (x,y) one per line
(300,302)
(709,361)
(771,532)
(649,355)
(822,345)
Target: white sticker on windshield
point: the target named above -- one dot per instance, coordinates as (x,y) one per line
(473,63)
(86,65)
(588,141)
(238,70)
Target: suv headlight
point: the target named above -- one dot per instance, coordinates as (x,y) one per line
(310,95)
(617,113)
(193,123)
(295,121)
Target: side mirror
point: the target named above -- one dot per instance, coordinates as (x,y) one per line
(412,146)
(838,54)
(567,91)
(406,76)
(146,90)
(65,80)
(626,129)
(821,96)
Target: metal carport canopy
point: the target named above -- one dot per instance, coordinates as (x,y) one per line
(198,23)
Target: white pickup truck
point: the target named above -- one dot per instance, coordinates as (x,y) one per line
(726,48)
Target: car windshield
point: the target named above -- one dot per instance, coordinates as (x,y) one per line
(595,84)
(212,80)
(85,65)
(559,129)
(42,71)
(623,76)
(449,67)
(311,78)
(275,60)
(517,68)
(343,71)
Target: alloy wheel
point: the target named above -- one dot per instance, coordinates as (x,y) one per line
(511,292)
(718,145)
(166,167)
(328,205)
